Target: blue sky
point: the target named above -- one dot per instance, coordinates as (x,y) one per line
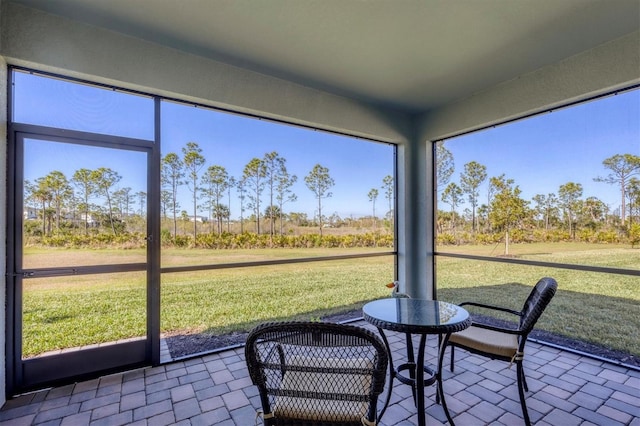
(232,141)
(548,150)
(540,153)
(226,139)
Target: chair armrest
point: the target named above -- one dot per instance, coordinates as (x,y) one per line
(495,308)
(496,328)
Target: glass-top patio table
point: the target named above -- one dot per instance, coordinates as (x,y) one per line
(420,317)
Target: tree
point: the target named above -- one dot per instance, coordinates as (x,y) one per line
(335,219)
(483,216)
(373,196)
(444,165)
(104,180)
(254,174)
(242,191)
(172,176)
(142,198)
(73,205)
(123,199)
(319,182)
(495,185)
(299,219)
(42,196)
(546,206)
(634,234)
(569,195)
(283,190)
(539,208)
(452,195)
(623,167)
(388,186)
(507,208)
(633,193)
(82,180)
(165,202)
(220,212)
(231,183)
(60,190)
(216,181)
(473,176)
(193,162)
(272,212)
(594,210)
(273,165)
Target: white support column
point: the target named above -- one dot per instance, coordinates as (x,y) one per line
(415,218)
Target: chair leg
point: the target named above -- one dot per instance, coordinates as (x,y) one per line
(521,389)
(451,364)
(440,399)
(524,380)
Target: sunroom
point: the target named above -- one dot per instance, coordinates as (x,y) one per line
(392,101)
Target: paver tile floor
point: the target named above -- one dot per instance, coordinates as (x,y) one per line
(564,389)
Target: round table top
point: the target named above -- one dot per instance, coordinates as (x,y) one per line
(416,315)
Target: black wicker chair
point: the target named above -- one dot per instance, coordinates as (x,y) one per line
(316,373)
(503,343)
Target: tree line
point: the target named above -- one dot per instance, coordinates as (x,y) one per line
(62,203)
(560,215)
(92,200)
(263,189)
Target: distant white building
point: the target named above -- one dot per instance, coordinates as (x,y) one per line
(86,217)
(30,213)
(201,219)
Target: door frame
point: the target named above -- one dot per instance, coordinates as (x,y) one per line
(27,374)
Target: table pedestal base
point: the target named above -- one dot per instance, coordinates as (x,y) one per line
(416,379)
(416,317)
(411,380)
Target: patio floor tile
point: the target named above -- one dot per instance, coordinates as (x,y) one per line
(565,389)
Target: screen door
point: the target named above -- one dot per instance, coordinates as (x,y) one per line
(80,298)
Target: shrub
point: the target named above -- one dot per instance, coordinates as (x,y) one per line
(520,236)
(634,234)
(587,235)
(445,239)
(557,235)
(165,238)
(607,237)
(540,235)
(32,228)
(181,240)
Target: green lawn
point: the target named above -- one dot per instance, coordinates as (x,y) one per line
(594,307)
(82,310)
(226,300)
(599,308)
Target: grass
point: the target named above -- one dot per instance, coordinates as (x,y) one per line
(230,300)
(75,311)
(67,312)
(55,257)
(603,309)
(82,310)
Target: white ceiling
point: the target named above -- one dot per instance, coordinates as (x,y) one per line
(412,55)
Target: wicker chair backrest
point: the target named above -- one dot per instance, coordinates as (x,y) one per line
(316,373)
(536,303)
